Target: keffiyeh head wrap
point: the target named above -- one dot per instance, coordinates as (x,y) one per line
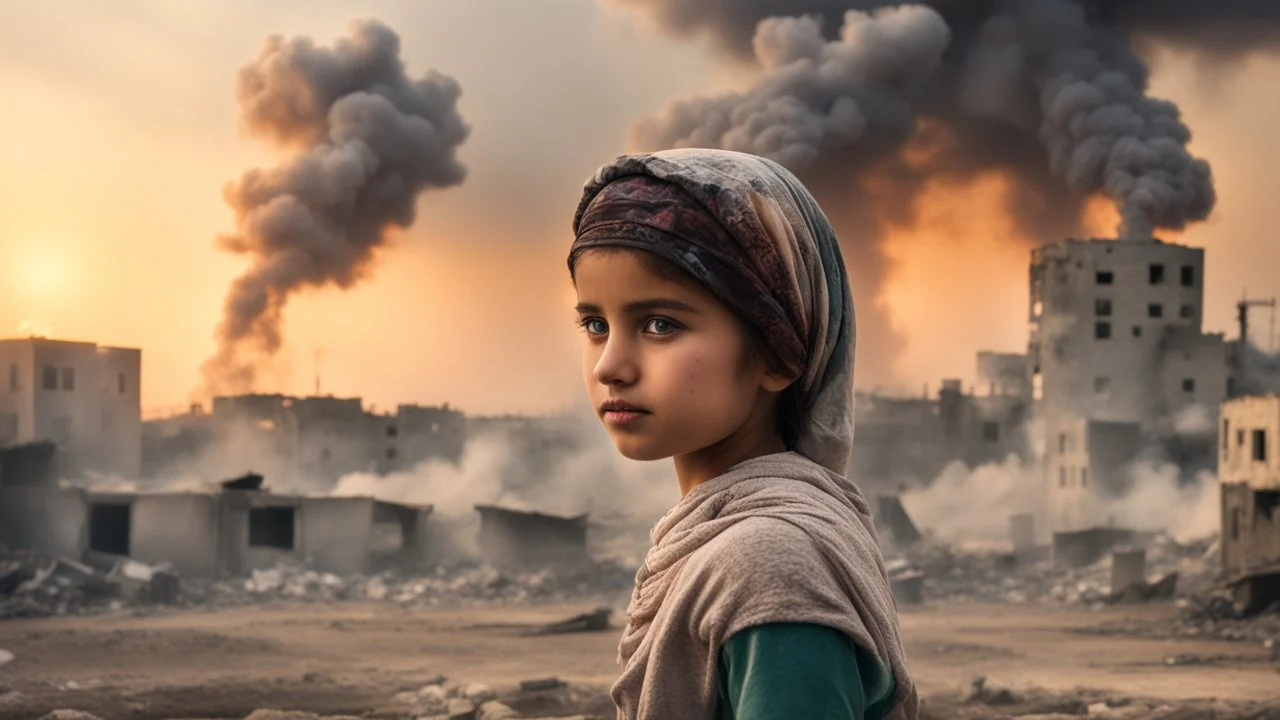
(749,231)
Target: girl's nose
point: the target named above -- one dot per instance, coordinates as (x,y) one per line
(616,365)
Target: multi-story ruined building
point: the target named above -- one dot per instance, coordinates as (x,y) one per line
(307,442)
(1116,331)
(902,440)
(1117,361)
(83,397)
(1249,474)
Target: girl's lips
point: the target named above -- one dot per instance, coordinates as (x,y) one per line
(622,417)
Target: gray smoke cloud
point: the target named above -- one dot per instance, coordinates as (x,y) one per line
(869,100)
(364,140)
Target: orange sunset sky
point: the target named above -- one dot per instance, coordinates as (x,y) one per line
(121,129)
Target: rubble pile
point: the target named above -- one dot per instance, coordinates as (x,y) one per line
(35,586)
(981,700)
(443,699)
(951,574)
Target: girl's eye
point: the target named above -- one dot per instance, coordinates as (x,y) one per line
(594,326)
(660,326)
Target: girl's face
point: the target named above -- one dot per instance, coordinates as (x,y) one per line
(663,361)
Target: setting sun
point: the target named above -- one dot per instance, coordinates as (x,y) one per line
(41,269)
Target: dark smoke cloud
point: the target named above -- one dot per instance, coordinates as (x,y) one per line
(364,141)
(869,100)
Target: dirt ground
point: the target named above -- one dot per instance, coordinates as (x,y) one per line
(351,658)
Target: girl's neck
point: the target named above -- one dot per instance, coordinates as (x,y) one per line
(697,467)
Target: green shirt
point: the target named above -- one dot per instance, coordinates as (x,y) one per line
(783,671)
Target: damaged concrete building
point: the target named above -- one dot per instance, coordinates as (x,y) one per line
(306,442)
(901,439)
(78,395)
(229,532)
(1118,362)
(1249,476)
(517,538)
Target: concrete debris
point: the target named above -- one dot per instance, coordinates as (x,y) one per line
(596,621)
(542,684)
(33,586)
(494,710)
(70,715)
(954,575)
(6,657)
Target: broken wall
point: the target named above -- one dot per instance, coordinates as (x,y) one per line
(178,529)
(514,538)
(335,533)
(51,520)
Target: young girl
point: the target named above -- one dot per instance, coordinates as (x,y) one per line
(719,332)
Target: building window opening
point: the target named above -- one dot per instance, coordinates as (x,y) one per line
(271,527)
(109,527)
(391,431)
(1239,438)
(1062,443)
(1062,477)
(325,454)
(1155,310)
(1137,331)
(1226,433)
(1104,277)
(13,378)
(1265,504)
(1101,384)
(991,432)
(68,378)
(1187,312)
(1102,330)
(1188,275)
(1084,477)
(1188,385)
(120,383)
(1102,307)
(1235,523)
(391,453)
(49,378)
(1260,445)
(1155,274)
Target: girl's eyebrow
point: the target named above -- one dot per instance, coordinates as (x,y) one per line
(639,306)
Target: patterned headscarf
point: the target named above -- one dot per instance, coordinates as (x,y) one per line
(751,233)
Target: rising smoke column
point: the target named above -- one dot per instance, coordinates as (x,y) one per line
(868,100)
(363,140)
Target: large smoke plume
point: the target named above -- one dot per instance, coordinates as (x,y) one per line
(870,100)
(364,140)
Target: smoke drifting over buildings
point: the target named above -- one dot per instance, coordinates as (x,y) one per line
(869,100)
(364,140)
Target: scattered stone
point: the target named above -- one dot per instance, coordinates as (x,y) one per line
(461,709)
(70,715)
(542,684)
(6,657)
(478,694)
(979,692)
(494,710)
(267,714)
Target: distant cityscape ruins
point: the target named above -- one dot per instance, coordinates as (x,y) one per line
(1118,375)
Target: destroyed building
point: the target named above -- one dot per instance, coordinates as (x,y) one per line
(515,538)
(229,532)
(78,395)
(307,442)
(1249,476)
(901,439)
(1118,361)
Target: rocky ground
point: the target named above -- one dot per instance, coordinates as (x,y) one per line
(304,660)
